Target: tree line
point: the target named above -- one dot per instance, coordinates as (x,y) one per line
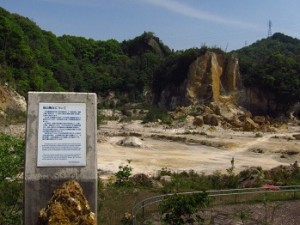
(32,59)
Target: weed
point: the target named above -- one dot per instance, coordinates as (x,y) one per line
(164,172)
(123,174)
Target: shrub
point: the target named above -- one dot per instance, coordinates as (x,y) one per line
(179,208)
(11,165)
(164,172)
(124,174)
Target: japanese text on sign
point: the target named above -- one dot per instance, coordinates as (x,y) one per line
(62,134)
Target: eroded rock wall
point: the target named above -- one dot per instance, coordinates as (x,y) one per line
(261,102)
(211,78)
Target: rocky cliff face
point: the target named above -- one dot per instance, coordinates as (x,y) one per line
(10,101)
(211,77)
(214,77)
(258,101)
(263,102)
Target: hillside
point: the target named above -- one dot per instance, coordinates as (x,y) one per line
(270,70)
(34,59)
(267,72)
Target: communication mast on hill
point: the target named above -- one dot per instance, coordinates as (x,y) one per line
(270,29)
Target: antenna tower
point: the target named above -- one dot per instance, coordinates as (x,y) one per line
(270,29)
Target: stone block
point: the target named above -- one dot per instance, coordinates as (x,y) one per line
(41,181)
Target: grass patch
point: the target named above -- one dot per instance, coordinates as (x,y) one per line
(156,114)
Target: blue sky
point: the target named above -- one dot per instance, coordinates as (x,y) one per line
(180,24)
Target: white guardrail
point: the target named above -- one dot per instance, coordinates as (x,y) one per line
(214,194)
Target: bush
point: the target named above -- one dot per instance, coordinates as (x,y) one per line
(11,165)
(178,209)
(124,174)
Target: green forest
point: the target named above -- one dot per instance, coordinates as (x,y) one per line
(37,60)
(273,64)
(34,59)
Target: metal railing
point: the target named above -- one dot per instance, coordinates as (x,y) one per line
(229,196)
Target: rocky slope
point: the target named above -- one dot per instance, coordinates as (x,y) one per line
(11,101)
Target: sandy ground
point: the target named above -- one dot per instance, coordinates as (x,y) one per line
(198,152)
(171,148)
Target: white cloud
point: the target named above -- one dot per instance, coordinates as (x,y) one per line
(187,10)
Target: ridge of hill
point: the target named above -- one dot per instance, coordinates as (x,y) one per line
(34,59)
(270,70)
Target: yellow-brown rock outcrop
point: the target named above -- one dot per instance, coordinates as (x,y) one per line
(67,206)
(212,78)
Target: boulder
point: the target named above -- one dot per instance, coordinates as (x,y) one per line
(131,142)
(208,110)
(189,119)
(141,179)
(211,119)
(198,121)
(67,206)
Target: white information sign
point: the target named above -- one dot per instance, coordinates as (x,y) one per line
(61,134)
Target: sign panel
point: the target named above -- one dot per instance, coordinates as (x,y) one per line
(61,134)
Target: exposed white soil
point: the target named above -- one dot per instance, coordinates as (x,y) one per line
(177,151)
(207,150)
